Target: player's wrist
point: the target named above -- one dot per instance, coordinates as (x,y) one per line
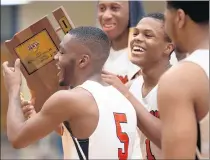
(127,94)
(14,92)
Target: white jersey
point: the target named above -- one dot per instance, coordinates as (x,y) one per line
(173,59)
(118,63)
(149,150)
(201,58)
(115,134)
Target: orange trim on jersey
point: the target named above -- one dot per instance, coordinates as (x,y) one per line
(124,79)
(150,156)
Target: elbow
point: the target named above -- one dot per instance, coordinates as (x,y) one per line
(16,143)
(156,139)
(17,146)
(158,143)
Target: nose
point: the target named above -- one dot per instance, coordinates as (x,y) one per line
(136,39)
(139,37)
(107,15)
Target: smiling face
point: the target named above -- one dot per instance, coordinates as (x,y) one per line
(113,17)
(70,60)
(66,61)
(149,45)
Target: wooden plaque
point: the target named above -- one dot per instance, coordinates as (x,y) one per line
(63,19)
(36,47)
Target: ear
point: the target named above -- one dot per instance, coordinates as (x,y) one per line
(180,18)
(169,48)
(84,60)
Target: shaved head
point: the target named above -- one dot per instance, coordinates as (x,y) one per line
(82,53)
(95,40)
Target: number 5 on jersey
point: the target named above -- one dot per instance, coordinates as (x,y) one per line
(122,136)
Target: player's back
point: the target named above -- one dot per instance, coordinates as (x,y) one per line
(201,58)
(115,133)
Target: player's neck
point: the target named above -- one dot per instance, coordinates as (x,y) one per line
(152,74)
(97,78)
(199,40)
(121,42)
(93,77)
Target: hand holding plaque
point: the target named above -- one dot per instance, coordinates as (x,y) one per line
(36,47)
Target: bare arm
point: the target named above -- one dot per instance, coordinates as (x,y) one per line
(41,124)
(147,123)
(151,131)
(176,104)
(29,111)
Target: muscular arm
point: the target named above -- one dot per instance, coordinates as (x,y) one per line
(176,103)
(22,133)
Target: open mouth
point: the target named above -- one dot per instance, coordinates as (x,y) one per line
(59,68)
(107,27)
(136,49)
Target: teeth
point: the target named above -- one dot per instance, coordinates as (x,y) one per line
(58,74)
(108,25)
(137,48)
(58,66)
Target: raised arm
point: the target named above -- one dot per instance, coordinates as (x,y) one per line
(53,112)
(29,111)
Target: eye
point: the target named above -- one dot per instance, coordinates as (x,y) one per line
(102,8)
(135,32)
(115,8)
(148,35)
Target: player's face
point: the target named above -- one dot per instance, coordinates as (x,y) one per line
(113,17)
(148,44)
(66,62)
(174,21)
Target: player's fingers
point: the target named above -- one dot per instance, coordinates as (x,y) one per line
(27,108)
(111,77)
(107,79)
(29,114)
(108,73)
(5,67)
(25,103)
(106,76)
(17,65)
(12,69)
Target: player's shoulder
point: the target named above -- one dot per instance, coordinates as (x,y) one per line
(77,96)
(184,75)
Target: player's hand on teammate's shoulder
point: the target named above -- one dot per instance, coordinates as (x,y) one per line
(113,80)
(110,78)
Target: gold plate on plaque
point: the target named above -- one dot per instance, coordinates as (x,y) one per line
(37,51)
(65,25)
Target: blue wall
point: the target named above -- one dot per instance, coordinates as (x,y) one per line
(9,21)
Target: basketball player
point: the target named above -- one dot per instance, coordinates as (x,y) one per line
(183,92)
(150,49)
(81,57)
(113,17)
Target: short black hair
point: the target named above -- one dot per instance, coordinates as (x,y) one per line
(198,11)
(159,16)
(94,39)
